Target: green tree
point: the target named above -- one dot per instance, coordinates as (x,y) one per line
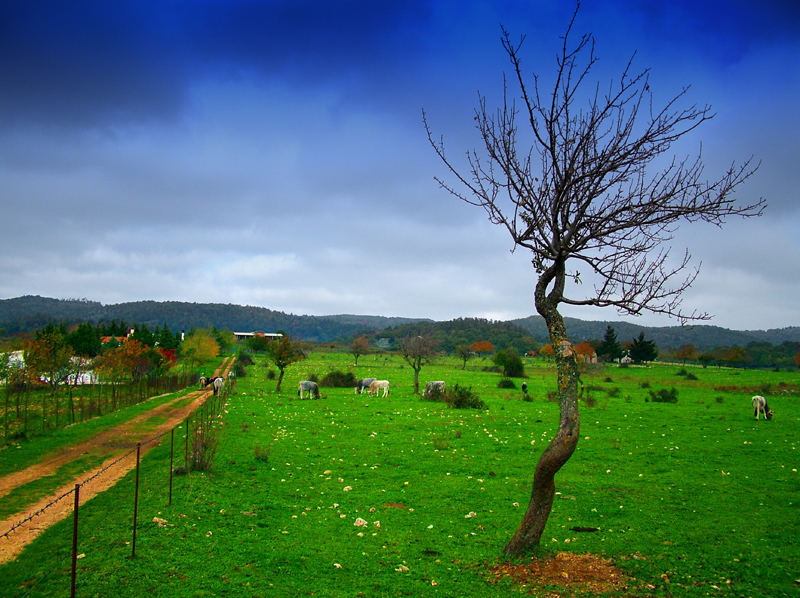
(609,349)
(48,357)
(85,340)
(643,350)
(586,184)
(283,352)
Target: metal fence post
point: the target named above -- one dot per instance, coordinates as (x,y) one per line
(75,540)
(171,453)
(136,500)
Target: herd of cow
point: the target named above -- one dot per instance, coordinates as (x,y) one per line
(372,386)
(217,382)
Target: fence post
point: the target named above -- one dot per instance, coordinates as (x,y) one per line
(75,540)
(171,453)
(186,447)
(136,500)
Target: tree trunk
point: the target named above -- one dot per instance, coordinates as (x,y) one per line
(280,379)
(416,379)
(563,445)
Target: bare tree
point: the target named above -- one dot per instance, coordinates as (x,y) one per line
(417,351)
(590,190)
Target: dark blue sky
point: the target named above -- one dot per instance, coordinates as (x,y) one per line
(272,153)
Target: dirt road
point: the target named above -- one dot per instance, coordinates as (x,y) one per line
(116,444)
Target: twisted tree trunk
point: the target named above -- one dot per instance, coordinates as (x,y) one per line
(563,445)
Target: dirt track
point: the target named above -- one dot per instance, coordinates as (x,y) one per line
(113,443)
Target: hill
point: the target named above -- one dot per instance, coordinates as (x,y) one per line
(25,314)
(704,337)
(28,313)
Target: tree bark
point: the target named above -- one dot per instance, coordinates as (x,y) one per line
(563,445)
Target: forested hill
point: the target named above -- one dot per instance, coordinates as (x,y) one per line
(25,314)
(703,337)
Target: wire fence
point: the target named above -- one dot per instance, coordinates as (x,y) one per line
(197,455)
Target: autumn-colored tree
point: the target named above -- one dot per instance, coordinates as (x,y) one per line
(481,347)
(359,347)
(547,350)
(687,353)
(736,356)
(417,351)
(48,359)
(283,352)
(585,351)
(582,181)
(198,348)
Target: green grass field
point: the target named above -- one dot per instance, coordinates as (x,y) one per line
(694,498)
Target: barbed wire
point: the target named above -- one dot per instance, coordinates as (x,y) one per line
(98,473)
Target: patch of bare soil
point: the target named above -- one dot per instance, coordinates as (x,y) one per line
(116,444)
(565,574)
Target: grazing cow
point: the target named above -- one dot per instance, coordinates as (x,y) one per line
(232,377)
(379,385)
(203,381)
(363,385)
(308,386)
(433,388)
(218,383)
(760,406)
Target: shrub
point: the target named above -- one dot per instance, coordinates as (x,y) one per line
(244,358)
(682,372)
(664,396)
(720,399)
(239,370)
(691,376)
(645,384)
(337,379)
(434,393)
(589,400)
(261,453)
(460,397)
(614,391)
(511,362)
(506,383)
(314,378)
(204,448)
(608,379)
(271,375)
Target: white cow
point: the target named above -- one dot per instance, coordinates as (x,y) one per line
(218,384)
(310,387)
(760,406)
(434,387)
(203,381)
(377,385)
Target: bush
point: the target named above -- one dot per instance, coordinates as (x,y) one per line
(463,398)
(239,370)
(511,363)
(244,358)
(614,391)
(337,379)
(506,383)
(645,384)
(261,453)
(314,378)
(664,396)
(271,375)
(691,376)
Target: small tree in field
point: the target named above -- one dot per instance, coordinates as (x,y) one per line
(359,347)
(643,350)
(283,352)
(584,184)
(417,351)
(609,349)
(464,353)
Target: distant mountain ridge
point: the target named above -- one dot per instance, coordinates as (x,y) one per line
(28,313)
